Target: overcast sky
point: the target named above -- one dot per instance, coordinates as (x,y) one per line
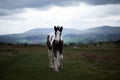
(17,16)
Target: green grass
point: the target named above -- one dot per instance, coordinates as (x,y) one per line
(31,63)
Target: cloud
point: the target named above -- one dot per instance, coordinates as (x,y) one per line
(17,16)
(101,2)
(80,17)
(8,7)
(5,12)
(13,4)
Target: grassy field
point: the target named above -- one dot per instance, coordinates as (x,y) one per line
(31,63)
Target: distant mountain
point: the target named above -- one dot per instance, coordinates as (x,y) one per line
(46,31)
(103,30)
(35,36)
(103,33)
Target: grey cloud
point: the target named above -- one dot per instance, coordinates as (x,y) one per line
(8,7)
(101,2)
(109,11)
(13,4)
(6,12)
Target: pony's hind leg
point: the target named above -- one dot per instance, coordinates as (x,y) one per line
(61,59)
(50,58)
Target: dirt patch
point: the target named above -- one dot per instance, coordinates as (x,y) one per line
(98,58)
(72,56)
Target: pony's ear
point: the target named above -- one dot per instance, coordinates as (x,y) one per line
(61,28)
(55,28)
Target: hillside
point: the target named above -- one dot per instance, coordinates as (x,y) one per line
(35,36)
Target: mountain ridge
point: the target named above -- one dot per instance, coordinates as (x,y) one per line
(38,35)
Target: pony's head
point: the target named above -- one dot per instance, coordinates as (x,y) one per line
(58,32)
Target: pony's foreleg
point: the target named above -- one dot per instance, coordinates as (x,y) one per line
(50,58)
(61,61)
(56,64)
(56,61)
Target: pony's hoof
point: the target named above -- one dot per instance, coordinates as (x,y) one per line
(56,70)
(51,67)
(60,67)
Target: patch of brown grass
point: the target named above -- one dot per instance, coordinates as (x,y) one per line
(98,58)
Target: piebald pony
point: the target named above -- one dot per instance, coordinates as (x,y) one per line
(55,45)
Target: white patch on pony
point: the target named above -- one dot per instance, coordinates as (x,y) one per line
(57,37)
(51,38)
(61,56)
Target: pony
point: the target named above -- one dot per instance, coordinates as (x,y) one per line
(55,45)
